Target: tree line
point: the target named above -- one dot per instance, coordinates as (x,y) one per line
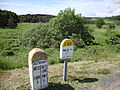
(35,18)
(113,18)
(8,19)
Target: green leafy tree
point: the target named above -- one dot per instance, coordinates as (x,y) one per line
(99,22)
(7,19)
(11,23)
(68,25)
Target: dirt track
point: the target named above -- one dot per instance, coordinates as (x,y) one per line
(17,77)
(111,83)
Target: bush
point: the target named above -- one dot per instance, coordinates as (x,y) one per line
(99,22)
(69,25)
(113,38)
(103,71)
(111,26)
(38,36)
(117,49)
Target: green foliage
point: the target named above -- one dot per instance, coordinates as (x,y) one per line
(89,20)
(8,19)
(111,26)
(38,36)
(44,33)
(24,87)
(11,23)
(99,22)
(103,71)
(69,25)
(65,25)
(53,55)
(11,54)
(34,18)
(117,22)
(113,38)
(116,18)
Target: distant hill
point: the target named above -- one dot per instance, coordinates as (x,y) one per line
(91,20)
(37,15)
(34,18)
(113,18)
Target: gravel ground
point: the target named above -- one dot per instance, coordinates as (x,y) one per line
(111,83)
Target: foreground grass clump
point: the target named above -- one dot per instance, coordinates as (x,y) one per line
(103,71)
(19,59)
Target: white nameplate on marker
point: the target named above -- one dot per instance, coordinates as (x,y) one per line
(40,72)
(66,49)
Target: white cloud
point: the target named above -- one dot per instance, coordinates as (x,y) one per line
(117,1)
(84,7)
(118,11)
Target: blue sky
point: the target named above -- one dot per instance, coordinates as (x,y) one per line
(92,8)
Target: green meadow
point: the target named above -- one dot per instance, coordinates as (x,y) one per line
(13,55)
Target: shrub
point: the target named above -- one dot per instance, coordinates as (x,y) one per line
(38,36)
(69,25)
(111,26)
(99,22)
(103,71)
(113,38)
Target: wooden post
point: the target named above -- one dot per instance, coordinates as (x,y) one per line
(38,69)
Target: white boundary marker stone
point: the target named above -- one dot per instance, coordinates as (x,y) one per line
(38,69)
(66,52)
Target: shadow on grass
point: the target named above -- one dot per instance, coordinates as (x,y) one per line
(51,86)
(87,80)
(58,86)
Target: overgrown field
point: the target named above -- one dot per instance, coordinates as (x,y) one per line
(13,55)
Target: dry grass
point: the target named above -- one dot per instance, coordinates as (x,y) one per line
(80,74)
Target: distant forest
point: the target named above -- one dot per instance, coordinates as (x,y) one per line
(113,18)
(34,18)
(8,19)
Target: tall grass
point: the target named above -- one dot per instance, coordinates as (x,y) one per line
(14,56)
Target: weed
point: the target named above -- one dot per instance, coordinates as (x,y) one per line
(103,71)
